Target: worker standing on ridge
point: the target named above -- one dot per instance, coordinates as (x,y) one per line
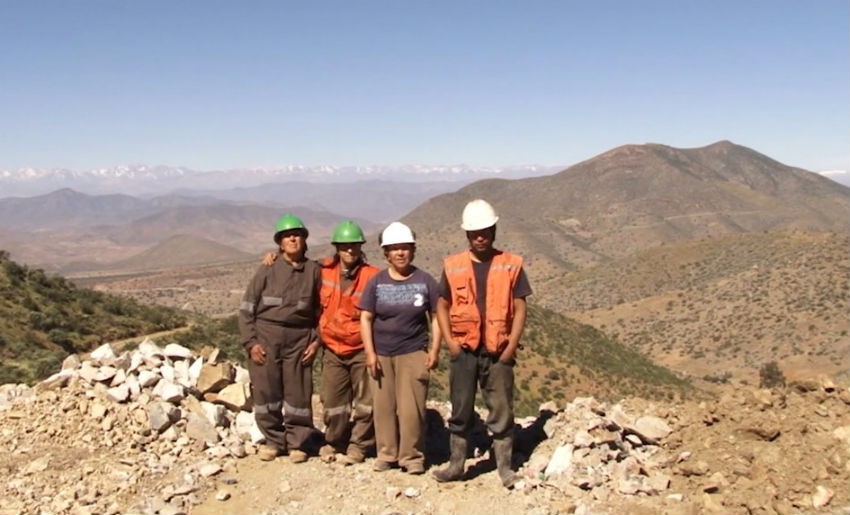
(402,341)
(345,380)
(277,325)
(481,312)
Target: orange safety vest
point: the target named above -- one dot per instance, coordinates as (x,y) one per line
(339,323)
(464,318)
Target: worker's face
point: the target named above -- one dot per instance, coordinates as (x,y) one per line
(292,243)
(482,239)
(349,253)
(400,255)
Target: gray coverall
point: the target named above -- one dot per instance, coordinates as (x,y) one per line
(279,311)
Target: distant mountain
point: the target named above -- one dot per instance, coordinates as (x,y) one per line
(142,179)
(379,200)
(76,247)
(240,226)
(182,250)
(69,208)
(638,196)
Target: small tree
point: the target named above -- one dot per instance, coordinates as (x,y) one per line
(770,375)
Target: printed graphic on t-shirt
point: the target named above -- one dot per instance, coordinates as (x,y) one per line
(402,294)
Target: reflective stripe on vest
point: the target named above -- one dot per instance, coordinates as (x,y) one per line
(339,324)
(464,318)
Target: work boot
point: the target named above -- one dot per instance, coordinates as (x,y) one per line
(297,456)
(353,456)
(503,449)
(268,453)
(454,472)
(327,453)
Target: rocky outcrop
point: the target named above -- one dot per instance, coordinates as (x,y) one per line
(160,430)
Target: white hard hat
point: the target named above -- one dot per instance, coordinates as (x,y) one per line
(478,214)
(396,233)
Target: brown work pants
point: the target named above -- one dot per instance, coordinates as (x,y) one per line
(282,387)
(345,381)
(399,408)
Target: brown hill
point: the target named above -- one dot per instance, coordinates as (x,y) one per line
(635,197)
(683,253)
(182,250)
(723,307)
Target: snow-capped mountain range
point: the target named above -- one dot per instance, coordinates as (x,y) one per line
(143,179)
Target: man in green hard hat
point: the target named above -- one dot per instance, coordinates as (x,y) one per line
(277,323)
(345,392)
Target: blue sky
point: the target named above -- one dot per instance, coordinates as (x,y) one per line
(223,84)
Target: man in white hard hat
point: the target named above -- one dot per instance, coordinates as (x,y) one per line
(481,312)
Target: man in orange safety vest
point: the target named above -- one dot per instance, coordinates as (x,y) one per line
(482,312)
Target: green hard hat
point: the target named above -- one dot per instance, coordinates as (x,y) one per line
(288,222)
(348,232)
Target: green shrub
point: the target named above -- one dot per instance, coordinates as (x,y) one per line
(770,375)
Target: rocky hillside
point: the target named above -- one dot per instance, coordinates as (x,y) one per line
(164,431)
(722,307)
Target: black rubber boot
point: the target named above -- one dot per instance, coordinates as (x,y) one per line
(454,472)
(503,449)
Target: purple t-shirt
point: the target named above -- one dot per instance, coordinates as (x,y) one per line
(401,311)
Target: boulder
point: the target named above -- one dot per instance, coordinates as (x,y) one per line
(235,396)
(200,429)
(161,415)
(148,378)
(176,351)
(149,349)
(103,355)
(650,429)
(72,362)
(168,391)
(214,377)
(120,393)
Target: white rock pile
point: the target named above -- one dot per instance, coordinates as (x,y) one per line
(162,412)
(589,446)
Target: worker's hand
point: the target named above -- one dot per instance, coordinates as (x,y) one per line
(432,358)
(257,354)
(373,365)
(269,258)
(310,352)
(454,348)
(508,354)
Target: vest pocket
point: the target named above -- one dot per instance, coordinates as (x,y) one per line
(496,334)
(461,294)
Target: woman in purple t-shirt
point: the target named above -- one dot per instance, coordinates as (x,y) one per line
(402,342)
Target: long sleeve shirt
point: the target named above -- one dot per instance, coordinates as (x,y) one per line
(280,294)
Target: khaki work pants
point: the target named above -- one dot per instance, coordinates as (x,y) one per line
(283,386)
(399,408)
(345,382)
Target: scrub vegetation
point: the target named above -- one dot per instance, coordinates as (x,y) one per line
(44,318)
